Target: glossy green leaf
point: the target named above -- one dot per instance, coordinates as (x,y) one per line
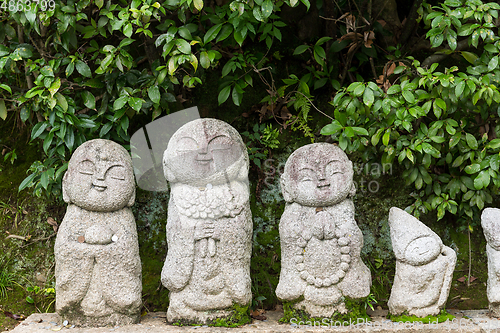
(83,68)
(332,128)
(3,110)
(154,94)
(471,141)
(224,94)
(212,33)
(88,99)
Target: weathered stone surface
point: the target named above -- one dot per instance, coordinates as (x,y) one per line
(424,267)
(209,225)
(98,268)
(320,240)
(490,221)
(471,321)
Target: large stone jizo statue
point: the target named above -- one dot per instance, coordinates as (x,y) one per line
(98,268)
(490,221)
(424,267)
(209,224)
(320,240)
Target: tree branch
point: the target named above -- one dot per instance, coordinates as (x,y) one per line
(411,22)
(437,57)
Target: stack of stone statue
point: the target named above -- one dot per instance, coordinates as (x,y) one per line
(209,234)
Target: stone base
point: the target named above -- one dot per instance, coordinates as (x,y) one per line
(473,321)
(114,319)
(495,310)
(189,316)
(317,311)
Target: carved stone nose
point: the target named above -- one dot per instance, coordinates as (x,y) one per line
(323,183)
(204,154)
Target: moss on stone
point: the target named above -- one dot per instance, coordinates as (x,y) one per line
(405,318)
(356,310)
(239,316)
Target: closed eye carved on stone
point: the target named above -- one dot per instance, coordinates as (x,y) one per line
(187,144)
(307,174)
(86,167)
(116,172)
(334,167)
(220,142)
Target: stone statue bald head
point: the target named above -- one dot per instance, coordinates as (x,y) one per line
(100,177)
(319,174)
(205,150)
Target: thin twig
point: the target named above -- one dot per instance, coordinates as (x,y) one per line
(38,240)
(470,259)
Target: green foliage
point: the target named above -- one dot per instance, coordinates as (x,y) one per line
(260,142)
(41,297)
(77,70)
(240,316)
(7,281)
(439,124)
(405,318)
(11,156)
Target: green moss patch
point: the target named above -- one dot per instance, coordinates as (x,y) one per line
(240,315)
(405,318)
(356,311)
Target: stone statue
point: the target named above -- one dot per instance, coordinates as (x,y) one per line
(320,240)
(98,268)
(209,225)
(424,267)
(490,221)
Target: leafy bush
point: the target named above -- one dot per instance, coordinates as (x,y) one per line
(77,70)
(440,123)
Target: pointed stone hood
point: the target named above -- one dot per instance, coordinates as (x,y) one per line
(404,229)
(490,221)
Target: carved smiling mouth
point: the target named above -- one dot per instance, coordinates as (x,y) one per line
(324,187)
(204,162)
(99,188)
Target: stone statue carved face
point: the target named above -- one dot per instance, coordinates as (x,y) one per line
(201,149)
(100,177)
(319,174)
(422,250)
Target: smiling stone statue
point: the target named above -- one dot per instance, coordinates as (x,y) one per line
(209,225)
(424,267)
(98,268)
(320,240)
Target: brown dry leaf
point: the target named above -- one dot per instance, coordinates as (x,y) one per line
(462,279)
(53,223)
(13,316)
(343,15)
(350,22)
(473,278)
(257,314)
(351,35)
(382,23)
(391,69)
(181,99)
(285,114)
(244,114)
(369,36)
